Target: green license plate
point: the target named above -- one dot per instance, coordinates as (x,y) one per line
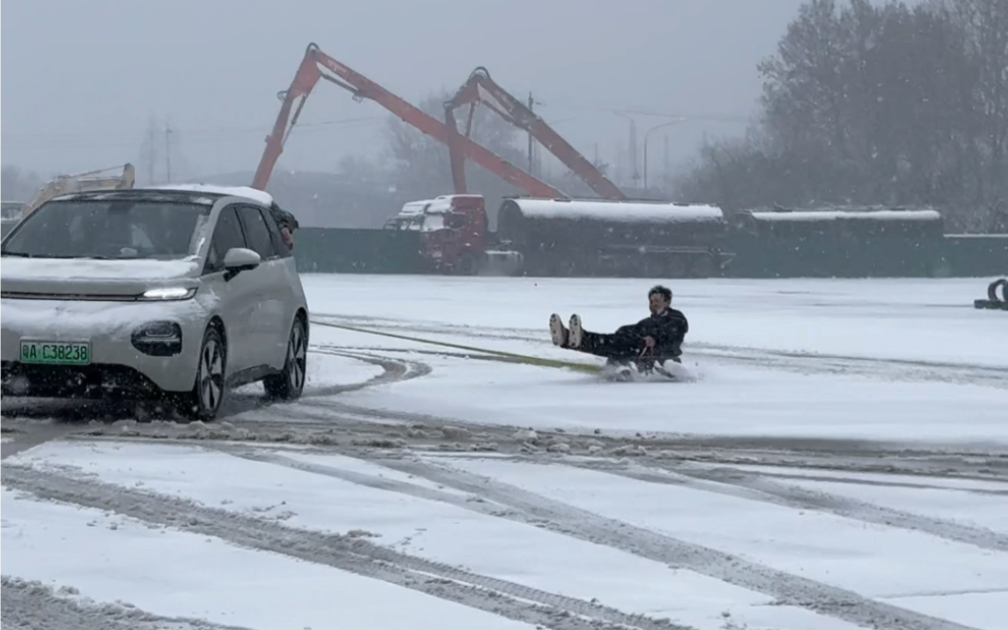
(56,352)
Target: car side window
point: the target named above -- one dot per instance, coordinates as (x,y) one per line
(256,232)
(274,230)
(227,234)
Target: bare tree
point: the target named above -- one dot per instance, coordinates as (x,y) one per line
(422,163)
(876,103)
(984,24)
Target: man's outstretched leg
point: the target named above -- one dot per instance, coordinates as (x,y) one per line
(625,343)
(557,331)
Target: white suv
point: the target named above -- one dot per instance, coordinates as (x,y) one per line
(176,293)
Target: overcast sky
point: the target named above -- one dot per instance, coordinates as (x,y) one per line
(81,78)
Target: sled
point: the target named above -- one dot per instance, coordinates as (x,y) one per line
(630,372)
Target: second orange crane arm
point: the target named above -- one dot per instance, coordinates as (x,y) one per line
(480,88)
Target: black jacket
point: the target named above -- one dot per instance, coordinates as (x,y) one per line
(668,330)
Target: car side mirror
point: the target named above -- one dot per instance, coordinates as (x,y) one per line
(238,259)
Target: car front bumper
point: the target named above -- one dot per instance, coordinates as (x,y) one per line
(116,365)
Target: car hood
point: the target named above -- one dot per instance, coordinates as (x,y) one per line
(83,277)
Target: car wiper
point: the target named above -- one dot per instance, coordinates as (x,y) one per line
(18,254)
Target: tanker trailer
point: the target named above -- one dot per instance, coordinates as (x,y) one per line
(559,237)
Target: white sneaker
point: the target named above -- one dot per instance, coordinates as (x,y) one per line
(576,332)
(557,330)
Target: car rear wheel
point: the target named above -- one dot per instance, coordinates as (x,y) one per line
(289,384)
(204,401)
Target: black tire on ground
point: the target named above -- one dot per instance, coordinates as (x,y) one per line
(289,383)
(204,401)
(992,290)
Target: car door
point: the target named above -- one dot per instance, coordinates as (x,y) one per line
(236,297)
(270,322)
(291,282)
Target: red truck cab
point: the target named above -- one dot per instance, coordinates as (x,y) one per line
(452,230)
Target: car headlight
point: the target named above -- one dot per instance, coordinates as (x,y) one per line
(158,339)
(168,293)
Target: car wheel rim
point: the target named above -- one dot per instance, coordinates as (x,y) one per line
(296,353)
(211,375)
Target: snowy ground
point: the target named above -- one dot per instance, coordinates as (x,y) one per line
(841,461)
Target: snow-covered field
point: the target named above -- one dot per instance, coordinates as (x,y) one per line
(840,461)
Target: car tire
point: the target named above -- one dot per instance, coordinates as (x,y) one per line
(289,383)
(204,401)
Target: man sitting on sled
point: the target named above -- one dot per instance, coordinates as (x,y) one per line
(657,338)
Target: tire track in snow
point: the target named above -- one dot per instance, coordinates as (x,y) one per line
(470,502)
(887,368)
(794,361)
(348,553)
(90,418)
(32,605)
(394,371)
(886,483)
(786,588)
(789,452)
(728,481)
(369,432)
(327,421)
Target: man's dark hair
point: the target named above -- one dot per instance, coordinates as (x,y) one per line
(283,218)
(665,292)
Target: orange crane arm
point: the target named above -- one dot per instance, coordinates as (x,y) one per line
(308,75)
(480,88)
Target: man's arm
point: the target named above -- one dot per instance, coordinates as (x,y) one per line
(670,329)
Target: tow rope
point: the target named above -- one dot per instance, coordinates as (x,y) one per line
(517,358)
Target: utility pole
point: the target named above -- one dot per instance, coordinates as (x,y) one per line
(150,156)
(648,133)
(167,143)
(634,172)
(667,166)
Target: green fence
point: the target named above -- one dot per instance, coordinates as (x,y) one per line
(331,250)
(755,256)
(827,256)
(970,255)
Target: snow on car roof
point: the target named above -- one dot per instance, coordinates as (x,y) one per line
(260,196)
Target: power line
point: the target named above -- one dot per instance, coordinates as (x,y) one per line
(206,134)
(644,111)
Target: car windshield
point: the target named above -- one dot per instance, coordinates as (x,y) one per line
(119,229)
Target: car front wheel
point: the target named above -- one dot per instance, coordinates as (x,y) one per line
(289,383)
(205,399)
